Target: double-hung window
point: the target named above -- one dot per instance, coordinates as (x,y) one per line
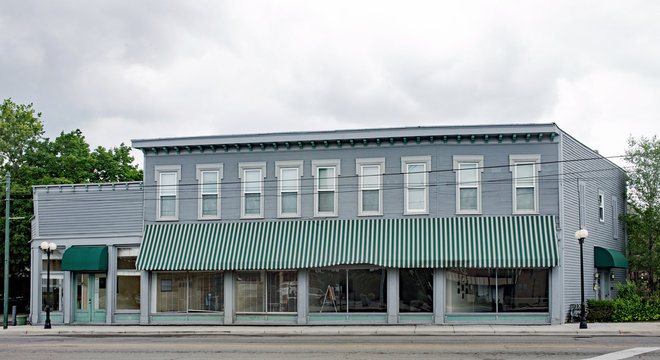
(252,189)
(415,171)
(601,206)
(468,170)
(288,187)
(525,170)
(167,178)
(326,174)
(209,176)
(370,195)
(615,217)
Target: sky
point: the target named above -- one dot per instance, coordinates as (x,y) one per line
(121,70)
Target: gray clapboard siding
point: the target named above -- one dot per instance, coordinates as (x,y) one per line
(600,174)
(77,213)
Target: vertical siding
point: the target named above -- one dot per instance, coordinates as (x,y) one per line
(600,174)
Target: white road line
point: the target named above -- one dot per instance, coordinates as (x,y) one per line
(624,354)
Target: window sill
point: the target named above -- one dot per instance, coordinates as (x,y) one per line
(167,219)
(209,218)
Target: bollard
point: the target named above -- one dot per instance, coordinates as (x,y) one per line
(13,315)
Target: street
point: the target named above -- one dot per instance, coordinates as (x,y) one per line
(324,347)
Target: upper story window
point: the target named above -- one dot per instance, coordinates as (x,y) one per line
(468,170)
(167,179)
(209,177)
(288,187)
(525,182)
(601,206)
(415,171)
(326,173)
(615,217)
(252,189)
(370,194)
(582,200)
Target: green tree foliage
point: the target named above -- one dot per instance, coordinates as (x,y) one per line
(643,218)
(35,160)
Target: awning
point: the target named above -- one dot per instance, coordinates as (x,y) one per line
(492,242)
(85,258)
(608,258)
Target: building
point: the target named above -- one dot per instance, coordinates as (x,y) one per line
(455,224)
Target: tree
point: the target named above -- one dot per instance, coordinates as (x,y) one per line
(20,130)
(643,218)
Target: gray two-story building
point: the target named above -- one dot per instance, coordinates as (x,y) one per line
(455,224)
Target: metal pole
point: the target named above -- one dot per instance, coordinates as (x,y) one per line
(583,312)
(6,293)
(47,324)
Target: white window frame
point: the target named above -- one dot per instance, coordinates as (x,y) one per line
(615,217)
(582,204)
(248,166)
(321,164)
(359,165)
(468,159)
(601,206)
(285,165)
(199,169)
(54,275)
(514,160)
(159,170)
(414,160)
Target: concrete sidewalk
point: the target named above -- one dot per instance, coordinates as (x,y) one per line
(641,329)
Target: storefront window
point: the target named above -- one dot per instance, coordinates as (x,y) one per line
(501,290)
(266,291)
(56,279)
(359,290)
(188,292)
(415,290)
(128,280)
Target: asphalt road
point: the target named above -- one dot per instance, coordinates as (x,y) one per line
(317,348)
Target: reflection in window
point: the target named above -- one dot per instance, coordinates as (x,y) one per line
(354,290)
(501,290)
(56,279)
(188,292)
(266,291)
(128,280)
(416,290)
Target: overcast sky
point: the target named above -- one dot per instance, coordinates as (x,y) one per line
(122,70)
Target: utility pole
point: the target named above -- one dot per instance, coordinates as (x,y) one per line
(5,313)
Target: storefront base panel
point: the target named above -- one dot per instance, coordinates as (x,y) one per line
(415,318)
(498,319)
(348,319)
(187,319)
(269,319)
(127,318)
(55,318)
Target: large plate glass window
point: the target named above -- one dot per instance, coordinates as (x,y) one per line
(348,290)
(524,169)
(209,177)
(128,280)
(325,187)
(415,171)
(288,186)
(188,292)
(266,291)
(415,290)
(370,196)
(252,189)
(167,178)
(468,170)
(56,280)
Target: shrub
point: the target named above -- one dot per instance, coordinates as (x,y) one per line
(600,310)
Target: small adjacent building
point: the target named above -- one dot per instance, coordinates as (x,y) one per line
(447,224)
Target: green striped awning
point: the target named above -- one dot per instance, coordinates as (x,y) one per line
(493,242)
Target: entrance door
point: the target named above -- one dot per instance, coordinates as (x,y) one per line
(91,297)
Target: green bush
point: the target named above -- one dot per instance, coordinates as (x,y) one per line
(600,310)
(630,306)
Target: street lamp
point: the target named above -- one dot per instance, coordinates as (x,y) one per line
(48,248)
(580,235)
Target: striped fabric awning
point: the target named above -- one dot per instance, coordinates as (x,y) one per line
(489,242)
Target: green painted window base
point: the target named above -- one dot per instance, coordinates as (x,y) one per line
(498,319)
(415,318)
(289,319)
(187,318)
(348,318)
(127,317)
(54,317)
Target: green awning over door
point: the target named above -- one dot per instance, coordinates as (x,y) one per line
(492,242)
(85,258)
(608,258)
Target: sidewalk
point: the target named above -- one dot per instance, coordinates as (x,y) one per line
(641,329)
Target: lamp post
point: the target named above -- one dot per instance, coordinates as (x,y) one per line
(580,235)
(48,248)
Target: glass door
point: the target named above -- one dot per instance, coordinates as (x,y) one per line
(91,297)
